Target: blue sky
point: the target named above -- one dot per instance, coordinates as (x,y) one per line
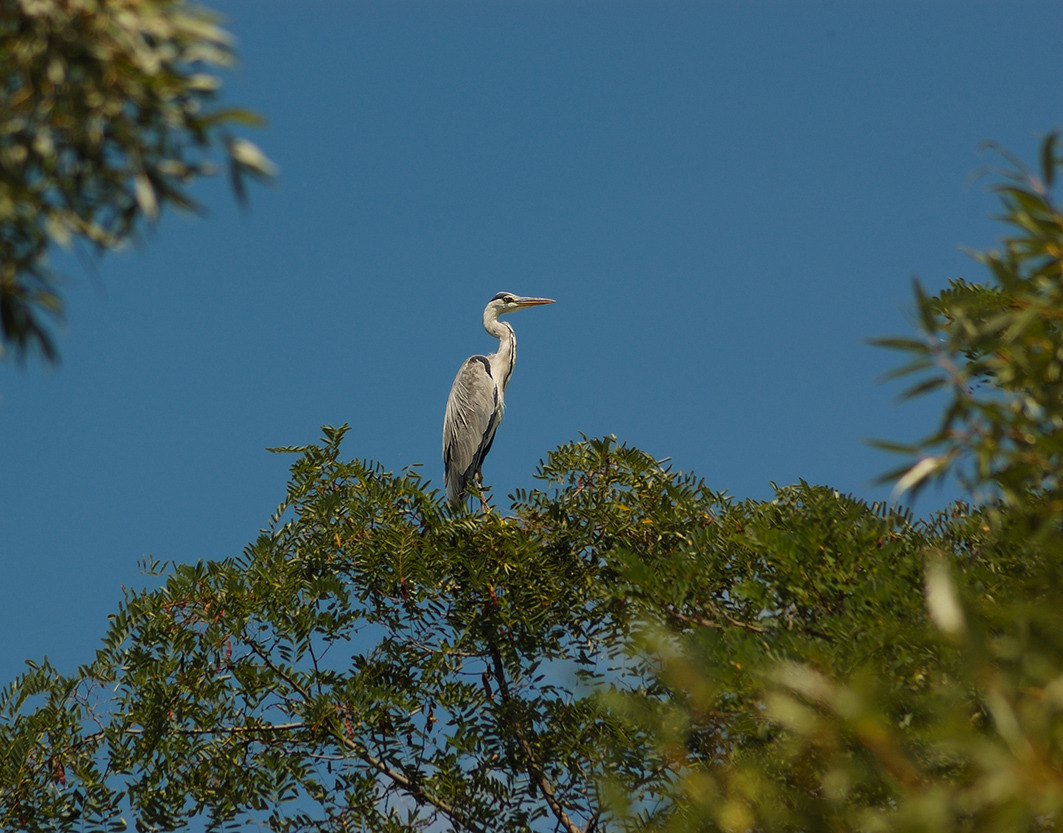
(726,199)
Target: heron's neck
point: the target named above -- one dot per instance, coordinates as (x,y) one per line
(502,362)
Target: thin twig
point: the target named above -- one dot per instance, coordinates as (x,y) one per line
(712,623)
(415,790)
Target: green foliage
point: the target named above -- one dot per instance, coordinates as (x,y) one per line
(371,662)
(107,119)
(386,664)
(997,349)
(932,700)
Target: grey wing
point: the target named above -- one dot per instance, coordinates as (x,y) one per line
(469,425)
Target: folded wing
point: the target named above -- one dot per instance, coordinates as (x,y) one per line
(472,417)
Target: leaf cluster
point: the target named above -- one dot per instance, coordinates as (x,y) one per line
(941,710)
(368,662)
(373,662)
(996,350)
(108,117)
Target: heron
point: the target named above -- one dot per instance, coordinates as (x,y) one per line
(477,399)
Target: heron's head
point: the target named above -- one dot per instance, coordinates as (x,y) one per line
(506,302)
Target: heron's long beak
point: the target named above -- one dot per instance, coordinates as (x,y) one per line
(533,302)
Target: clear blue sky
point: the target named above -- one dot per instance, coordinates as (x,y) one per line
(726,200)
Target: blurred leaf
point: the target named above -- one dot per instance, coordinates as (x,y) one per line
(108,120)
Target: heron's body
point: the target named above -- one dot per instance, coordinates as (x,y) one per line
(477,399)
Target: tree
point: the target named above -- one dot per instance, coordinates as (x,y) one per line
(956,725)
(400,668)
(108,118)
(627,650)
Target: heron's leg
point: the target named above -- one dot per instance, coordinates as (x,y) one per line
(484,508)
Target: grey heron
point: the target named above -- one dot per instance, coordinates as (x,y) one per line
(477,399)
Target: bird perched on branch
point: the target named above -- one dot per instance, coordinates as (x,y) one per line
(477,400)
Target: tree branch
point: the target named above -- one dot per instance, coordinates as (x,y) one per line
(415,790)
(712,623)
(535,768)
